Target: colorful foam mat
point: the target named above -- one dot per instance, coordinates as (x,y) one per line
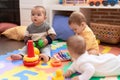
(15,70)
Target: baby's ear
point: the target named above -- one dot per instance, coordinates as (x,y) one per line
(45,17)
(83,24)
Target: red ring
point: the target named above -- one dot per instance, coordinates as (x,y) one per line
(56,63)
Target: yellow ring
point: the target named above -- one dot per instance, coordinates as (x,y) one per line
(30,59)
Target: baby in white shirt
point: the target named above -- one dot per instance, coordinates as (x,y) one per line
(90,65)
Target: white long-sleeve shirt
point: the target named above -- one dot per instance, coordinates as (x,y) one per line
(92,65)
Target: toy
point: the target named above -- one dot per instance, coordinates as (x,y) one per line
(111,2)
(34,44)
(56,63)
(104,2)
(59,75)
(95,2)
(60,1)
(30,59)
(36,51)
(62,56)
(40,43)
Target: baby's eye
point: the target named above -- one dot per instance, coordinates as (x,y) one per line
(33,14)
(39,14)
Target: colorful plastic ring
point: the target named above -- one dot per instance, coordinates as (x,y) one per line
(56,63)
(30,64)
(30,59)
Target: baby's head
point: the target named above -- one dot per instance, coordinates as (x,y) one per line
(77,18)
(77,22)
(76,46)
(38,15)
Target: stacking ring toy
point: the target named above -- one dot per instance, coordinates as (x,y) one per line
(56,63)
(31,63)
(31,59)
(36,51)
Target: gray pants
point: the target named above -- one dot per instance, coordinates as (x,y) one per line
(46,50)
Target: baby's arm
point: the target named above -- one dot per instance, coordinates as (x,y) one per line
(68,73)
(88,71)
(27,37)
(91,43)
(70,70)
(50,38)
(50,35)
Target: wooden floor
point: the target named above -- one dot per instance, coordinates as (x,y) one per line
(7,45)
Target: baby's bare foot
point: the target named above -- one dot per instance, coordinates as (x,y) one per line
(44,57)
(16,57)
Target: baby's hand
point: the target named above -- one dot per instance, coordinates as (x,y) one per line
(45,41)
(42,43)
(93,52)
(75,78)
(68,73)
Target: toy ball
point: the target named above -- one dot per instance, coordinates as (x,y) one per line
(36,51)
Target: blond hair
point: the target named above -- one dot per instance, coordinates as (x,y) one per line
(43,9)
(77,17)
(76,44)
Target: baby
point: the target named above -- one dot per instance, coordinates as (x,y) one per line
(78,24)
(39,31)
(90,65)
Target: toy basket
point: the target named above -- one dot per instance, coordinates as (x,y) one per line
(106,32)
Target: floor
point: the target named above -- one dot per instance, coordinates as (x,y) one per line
(7,45)
(16,68)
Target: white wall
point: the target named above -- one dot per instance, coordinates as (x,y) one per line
(26,5)
(30,3)
(49,2)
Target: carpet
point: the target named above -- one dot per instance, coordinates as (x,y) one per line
(15,70)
